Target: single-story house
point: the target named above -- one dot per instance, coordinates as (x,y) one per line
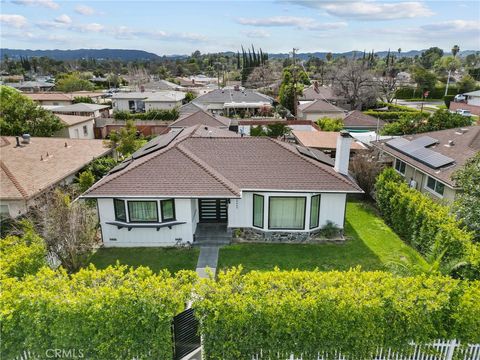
(32,86)
(50,98)
(76,127)
(83,109)
(201,118)
(318,92)
(325,141)
(317,109)
(472,103)
(190,108)
(141,101)
(200,178)
(473,97)
(234,101)
(428,160)
(357,120)
(31,168)
(158,85)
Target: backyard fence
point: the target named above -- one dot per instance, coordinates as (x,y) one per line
(438,350)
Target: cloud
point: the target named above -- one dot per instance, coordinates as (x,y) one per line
(16,21)
(256,34)
(453,26)
(92,27)
(298,22)
(369,9)
(84,10)
(44,3)
(126,33)
(29,36)
(63,19)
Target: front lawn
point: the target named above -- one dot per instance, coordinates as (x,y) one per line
(173,259)
(371,244)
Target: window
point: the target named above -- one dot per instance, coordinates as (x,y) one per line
(400,166)
(258,201)
(314,211)
(85,130)
(143,211)
(286,213)
(120,212)
(4,211)
(435,186)
(168,209)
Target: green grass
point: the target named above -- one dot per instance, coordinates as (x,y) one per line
(371,244)
(173,259)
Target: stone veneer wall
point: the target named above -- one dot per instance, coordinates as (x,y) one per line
(258,236)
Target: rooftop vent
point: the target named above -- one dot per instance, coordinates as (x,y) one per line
(450,143)
(26,138)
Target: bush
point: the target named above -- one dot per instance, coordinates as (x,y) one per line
(394,115)
(330,230)
(279,313)
(328,124)
(82,99)
(409,92)
(423,223)
(117,313)
(156,115)
(121,115)
(448,99)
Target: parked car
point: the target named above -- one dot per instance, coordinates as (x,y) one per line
(463,112)
(459,98)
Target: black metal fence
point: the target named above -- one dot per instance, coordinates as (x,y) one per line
(186,337)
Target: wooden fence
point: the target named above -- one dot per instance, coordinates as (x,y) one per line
(438,350)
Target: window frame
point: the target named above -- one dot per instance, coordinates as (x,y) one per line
(400,162)
(142,221)
(434,190)
(287,197)
(263,211)
(85,130)
(115,201)
(318,215)
(173,208)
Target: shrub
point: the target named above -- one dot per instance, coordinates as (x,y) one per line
(330,230)
(328,124)
(448,99)
(82,99)
(121,115)
(395,115)
(279,313)
(157,115)
(438,92)
(117,313)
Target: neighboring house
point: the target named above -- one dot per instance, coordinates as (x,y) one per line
(146,100)
(50,98)
(104,126)
(162,85)
(234,101)
(325,141)
(318,92)
(472,103)
(32,86)
(428,160)
(317,109)
(473,97)
(77,127)
(29,170)
(201,118)
(190,108)
(83,109)
(245,125)
(357,120)
(193,181)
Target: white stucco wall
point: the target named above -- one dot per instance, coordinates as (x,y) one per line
(473,100)
(15,207)
(162,105)
(122,104)
(76,131)
(114,237)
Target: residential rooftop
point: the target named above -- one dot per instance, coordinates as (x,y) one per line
(80,107)
(71,120)
(357,118)
(317,106)
(201,118)
(319,92)
(325,140)
(233,96)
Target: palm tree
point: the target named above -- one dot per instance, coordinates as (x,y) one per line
(455,50)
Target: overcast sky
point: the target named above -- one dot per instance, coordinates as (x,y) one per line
(181,27)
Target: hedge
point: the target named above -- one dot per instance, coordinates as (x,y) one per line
(106,314)
(394,115)
(423,223)
(165,115)
(279,313)
(409,92)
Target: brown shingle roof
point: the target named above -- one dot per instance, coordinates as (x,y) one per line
(319,92)
(45,96)
(70,120)
(24,174)
(319,106)
(357,118)
(326,140)
(194,165)
(466,145)
(201,118)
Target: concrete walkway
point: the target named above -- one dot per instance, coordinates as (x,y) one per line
(208,258)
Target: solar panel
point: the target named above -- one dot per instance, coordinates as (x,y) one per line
(316,155)
(425,141)
(156,144)
(121,166)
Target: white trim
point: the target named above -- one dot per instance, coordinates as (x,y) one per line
(431,190)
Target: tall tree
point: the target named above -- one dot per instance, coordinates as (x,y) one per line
(127,140)
(455,50)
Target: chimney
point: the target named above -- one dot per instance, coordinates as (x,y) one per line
(342,155)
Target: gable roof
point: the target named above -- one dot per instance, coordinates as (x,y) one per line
(80,107)
(231,95)
(26,171)
(319,92)
(201,118)
(47,96)
(165,96)
(190,108)
(319,106)
(357,118)
(466,143)
(190,163)
(71,120)
(322,140)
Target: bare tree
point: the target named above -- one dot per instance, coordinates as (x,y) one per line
(365,168)
(355,83)
(262,76)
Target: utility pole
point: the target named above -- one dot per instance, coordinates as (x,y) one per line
(294,73)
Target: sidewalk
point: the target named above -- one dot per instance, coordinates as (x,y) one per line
(208,258)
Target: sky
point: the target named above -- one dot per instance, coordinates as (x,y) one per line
(181,27)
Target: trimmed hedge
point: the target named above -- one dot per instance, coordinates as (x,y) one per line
(395,115)
(278,313)
(117,313)
(409,92)
(166,115)
(419,220)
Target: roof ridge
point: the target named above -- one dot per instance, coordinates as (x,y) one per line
(14,180)
(207,168)
(316,163)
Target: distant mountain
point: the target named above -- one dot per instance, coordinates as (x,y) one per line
(99,54)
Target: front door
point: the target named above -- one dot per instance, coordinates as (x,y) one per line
(213,210)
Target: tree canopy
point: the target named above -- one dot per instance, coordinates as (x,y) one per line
(20,115)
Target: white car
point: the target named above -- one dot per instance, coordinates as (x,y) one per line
(459,98)
(463,112)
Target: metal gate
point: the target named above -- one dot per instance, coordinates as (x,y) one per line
(213,210)
(186,337)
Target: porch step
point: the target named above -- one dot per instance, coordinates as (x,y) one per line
(212,234)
